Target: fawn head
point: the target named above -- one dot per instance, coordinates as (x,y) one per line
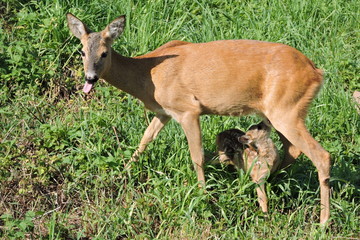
(255,134)
(96,47)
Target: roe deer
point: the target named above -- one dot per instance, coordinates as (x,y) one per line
(230,149)
(261,156)
(183,80)
(253,151)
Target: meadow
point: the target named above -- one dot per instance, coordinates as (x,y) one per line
(62,153)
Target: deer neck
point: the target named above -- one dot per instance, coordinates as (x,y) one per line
(131,75)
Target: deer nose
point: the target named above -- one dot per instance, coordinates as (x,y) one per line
(92,79)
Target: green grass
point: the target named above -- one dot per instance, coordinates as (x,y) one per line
(62,154)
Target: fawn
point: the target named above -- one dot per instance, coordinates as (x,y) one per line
(252,151)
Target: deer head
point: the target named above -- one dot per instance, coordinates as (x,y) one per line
(96,47)
(256,133)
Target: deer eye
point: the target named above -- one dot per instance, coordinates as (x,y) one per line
(104,54)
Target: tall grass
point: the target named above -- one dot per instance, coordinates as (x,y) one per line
(62,154)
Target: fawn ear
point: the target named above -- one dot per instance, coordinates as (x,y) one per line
(244,139)
(77,27)
(115,28)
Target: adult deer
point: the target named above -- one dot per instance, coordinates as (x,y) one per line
(183,80)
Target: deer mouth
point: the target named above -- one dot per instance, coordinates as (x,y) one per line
(88,86)
(89,83)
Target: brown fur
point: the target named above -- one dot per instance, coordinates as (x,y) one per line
(254,152)
(234,77)
(229,148)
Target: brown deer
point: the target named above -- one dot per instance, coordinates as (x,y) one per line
(253,151)
(229,148)
(261,156)
(183,80)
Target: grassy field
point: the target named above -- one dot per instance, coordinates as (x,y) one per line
(62,154)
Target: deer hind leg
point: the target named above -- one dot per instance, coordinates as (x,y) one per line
(295,131)
(290,152)
(262,198)
(155,126)
(191,126)
(259,175)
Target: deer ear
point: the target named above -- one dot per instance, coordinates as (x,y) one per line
(77,27)
(244,139)
(115,28)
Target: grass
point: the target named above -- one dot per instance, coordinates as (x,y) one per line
(62,154)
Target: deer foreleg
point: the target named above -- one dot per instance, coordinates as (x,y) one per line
(155,126)
(191,126)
